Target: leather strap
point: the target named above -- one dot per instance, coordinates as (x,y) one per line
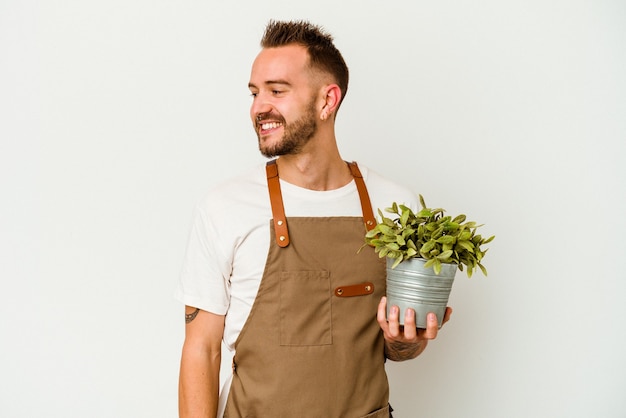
(276,200)
(278,210)
(368,214)
(360,289)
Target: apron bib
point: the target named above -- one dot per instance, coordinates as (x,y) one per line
(311,346)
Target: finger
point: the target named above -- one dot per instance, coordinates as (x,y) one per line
(381,315)
(393,321)
(431,326)
(447,315)
(410,326)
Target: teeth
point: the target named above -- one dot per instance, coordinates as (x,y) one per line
(271,125)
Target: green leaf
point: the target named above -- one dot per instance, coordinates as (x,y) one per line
(483,269)
(447,239)
(429,263)
(426,248)
(451,226)
(395,264)
(466,245)
(465,235)
(386,230)
(389,222)
(422,202)
(388,238)
(444,256)
(424,213)
(459,219)
(437,266)
(392,209)
(404,218)
(488,240)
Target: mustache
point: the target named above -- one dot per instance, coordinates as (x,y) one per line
(269,116)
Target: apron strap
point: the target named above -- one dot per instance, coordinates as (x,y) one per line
(366,205)
(276,200)
(278,210)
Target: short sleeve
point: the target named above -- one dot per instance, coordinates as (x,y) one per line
(204,278)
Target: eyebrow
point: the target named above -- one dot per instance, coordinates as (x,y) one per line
(271,82)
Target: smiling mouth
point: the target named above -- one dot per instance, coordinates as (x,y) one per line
(270,125)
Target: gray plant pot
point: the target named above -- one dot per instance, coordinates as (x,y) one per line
(410,285)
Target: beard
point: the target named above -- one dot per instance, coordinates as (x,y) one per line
(295,135)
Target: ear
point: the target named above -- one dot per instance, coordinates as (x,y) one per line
(331,97)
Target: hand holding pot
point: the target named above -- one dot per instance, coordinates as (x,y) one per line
(404,342)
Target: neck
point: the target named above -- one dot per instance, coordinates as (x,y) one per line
(314,171)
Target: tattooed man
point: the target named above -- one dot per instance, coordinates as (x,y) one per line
(272,266)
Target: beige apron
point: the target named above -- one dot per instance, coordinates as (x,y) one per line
(311,346)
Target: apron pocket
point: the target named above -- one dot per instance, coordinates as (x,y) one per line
(305,314)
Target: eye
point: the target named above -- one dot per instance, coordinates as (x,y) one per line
(276,92)
(253,95)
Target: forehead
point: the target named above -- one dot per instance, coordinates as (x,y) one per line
(282,63)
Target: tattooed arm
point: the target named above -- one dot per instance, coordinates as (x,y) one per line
(198,389)
(400,351)
(406,342)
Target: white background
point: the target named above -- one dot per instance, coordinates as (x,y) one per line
(116,116)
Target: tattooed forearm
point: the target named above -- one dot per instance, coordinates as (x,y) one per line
(399,351)
(190,317)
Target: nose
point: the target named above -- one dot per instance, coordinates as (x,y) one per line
(258,108)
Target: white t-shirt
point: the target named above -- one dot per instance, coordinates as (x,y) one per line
(230,236)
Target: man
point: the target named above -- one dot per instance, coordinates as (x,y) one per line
(273,267)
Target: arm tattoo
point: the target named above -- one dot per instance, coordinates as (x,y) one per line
(190,317)
(398,351)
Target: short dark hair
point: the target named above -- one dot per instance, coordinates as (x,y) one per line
(323,54)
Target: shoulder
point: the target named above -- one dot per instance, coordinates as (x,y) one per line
(246,190)
(233,208)
(383,191)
